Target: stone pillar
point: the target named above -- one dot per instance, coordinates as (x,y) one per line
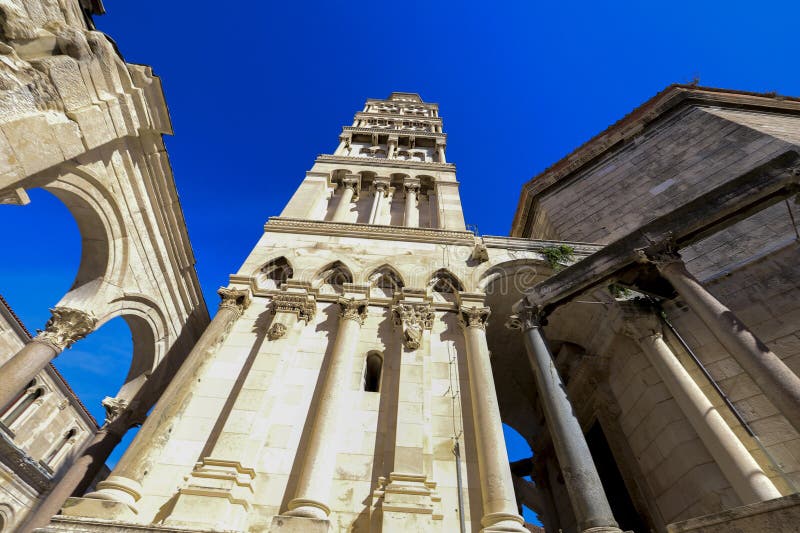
(221,484)
(66,325)
(440,150)
(776,380)
(119,418)
(310,506)
(119,493)
(392,146)
(497,488)
(380,187)
(412,187)
(586,494)
(409,501)
(737,465)
(349,195)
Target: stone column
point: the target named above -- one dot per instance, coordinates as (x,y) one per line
(497,488)
(123,486)
(222,482)
(349,195)
(392,146)
(586,494)
(737,465)
(440,150)
(380,187)
(66,325)
(313,491)
(776,380)
(119,418)
(411,187)
(409,500)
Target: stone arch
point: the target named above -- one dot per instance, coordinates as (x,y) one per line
(444,281)
(334,274)
(386,277)
(373,371)
(274,273)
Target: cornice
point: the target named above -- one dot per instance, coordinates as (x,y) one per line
(428,105)
(670,100)
(23,465)
(404,133)
(368,231)
(377,114)
(394,163)
(581,249)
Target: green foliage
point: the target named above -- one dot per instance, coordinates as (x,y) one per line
(618,291)
(556,256)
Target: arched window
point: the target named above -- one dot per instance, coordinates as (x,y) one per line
(335,273)
(372,372)
(444,281)
(275,273)
(386,278)
(23,403)
(62,445)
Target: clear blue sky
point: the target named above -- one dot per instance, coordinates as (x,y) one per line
(256,90)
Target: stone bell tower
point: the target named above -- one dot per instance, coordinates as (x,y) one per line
(345,383)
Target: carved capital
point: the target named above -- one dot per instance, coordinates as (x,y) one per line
(381,186)
(352,181)
(473,317)
(528,316)
(66,325)
(661,254)
(301,304)
(276,331)
(413,318)
(353,309)
(234,299)
(114,408)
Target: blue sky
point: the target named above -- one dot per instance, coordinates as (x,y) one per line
(257,90)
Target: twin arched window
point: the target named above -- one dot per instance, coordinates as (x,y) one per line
(23,402)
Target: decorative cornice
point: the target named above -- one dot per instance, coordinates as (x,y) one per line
(66,325)
(23,465)
(368,231)
(396,163)
(302,304)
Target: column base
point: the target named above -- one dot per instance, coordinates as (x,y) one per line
(94,508)
(299,524)
(218,494)
(502,523)
(117,489)
(409,502)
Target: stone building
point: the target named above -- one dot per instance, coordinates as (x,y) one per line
(41,431)
(640,328)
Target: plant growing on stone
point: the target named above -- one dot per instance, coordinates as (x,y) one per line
(556,256)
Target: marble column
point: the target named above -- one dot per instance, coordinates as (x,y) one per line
(411,187)
(589,503)
(440,151)
(380,188)
(391,146)
(497,488)
(313,491)
(740,469)
(123,486)
(222,482)
(773,376)
(350,184)
(79,476)
(66,325)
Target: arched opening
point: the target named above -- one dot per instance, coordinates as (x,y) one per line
(386,280)
(21,406)
(57,452)
(332,276)
(445,282)
(373,367)
(520,456)
(275,273)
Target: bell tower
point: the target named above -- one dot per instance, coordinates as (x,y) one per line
(389,169)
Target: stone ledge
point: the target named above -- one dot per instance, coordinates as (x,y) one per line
(368,231)
(781,515)
(92,525)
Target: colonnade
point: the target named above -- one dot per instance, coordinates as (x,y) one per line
(381,189)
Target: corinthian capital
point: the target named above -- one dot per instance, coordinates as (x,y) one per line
(352,309)
(528,316)
(661,253)
(473,317)
(413,318)
(234,299)
(66,325)
(114,407)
